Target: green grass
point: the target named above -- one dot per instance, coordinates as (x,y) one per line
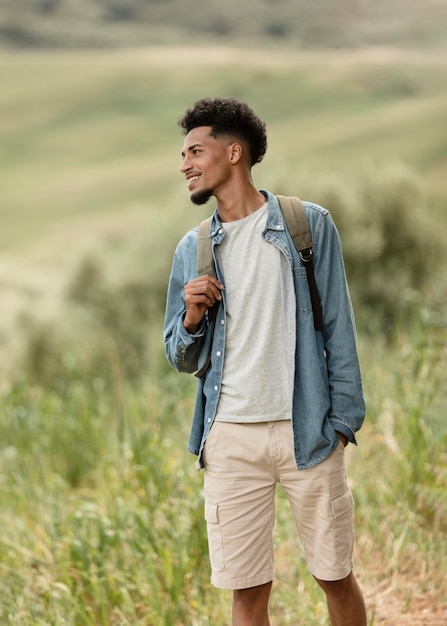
(101,505)
(102,508)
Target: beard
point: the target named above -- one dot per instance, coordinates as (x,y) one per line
(201,197)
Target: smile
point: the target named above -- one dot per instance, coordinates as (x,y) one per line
(192,180)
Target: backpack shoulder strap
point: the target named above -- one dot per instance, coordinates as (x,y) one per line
(205,261)
(298,227)
(296,221)
(205,265)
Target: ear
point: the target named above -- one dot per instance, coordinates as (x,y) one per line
(235,152)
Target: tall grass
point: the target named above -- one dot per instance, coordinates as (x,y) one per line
(108,525)
(102,507)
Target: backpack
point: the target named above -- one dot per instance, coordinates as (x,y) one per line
(298,227)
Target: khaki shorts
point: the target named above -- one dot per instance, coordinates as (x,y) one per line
(243,463)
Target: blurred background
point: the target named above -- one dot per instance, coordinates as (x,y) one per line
(93,468)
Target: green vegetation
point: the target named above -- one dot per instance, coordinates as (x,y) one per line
(102,510)
(101,505)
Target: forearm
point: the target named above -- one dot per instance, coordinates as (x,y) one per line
(190,327)
(183,348)
(344,375)
(347,411)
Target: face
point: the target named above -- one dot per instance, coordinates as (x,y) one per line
(205,164)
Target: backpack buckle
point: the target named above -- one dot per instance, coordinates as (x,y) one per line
(306,255)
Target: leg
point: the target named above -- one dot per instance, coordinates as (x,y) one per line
(250,606)
(239,505)
(345,601)
(322,506)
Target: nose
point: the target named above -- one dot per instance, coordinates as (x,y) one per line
(184,166)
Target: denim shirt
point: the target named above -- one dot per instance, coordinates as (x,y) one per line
(328,394)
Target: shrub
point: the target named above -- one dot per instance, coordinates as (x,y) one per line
(102,331)
(391,238)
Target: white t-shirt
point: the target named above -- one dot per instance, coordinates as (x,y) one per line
(257,381)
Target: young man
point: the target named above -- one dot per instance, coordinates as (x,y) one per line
(279,400)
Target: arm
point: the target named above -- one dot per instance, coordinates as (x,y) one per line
(188,300)
(345,383)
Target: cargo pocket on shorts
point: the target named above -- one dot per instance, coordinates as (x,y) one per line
(342,510)
(215,544)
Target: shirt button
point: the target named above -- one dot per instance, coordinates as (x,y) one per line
(209,420)
(222,322)
(219,353)
(216,387)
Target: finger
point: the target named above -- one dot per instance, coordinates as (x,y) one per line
(206,280)
(203,288)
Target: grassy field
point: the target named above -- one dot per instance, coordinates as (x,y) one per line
(101,505)
(90,148)
(92,135)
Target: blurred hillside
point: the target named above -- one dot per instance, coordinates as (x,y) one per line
(297,23)
(92,203)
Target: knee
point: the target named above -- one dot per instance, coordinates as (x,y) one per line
(252,597)
(336,588)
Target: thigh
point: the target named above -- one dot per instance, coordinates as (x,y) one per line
(239,505)
(322,507)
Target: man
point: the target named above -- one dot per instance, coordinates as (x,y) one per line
(280,400)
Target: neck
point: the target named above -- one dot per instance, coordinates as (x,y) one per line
(237,204)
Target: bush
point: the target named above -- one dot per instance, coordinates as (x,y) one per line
(392,242)
(103,330)
(393,251)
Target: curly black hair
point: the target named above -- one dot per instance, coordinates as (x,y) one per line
(228,116)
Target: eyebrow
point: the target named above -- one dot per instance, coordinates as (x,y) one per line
(192,147)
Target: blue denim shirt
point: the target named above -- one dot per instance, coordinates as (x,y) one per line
(328,394)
